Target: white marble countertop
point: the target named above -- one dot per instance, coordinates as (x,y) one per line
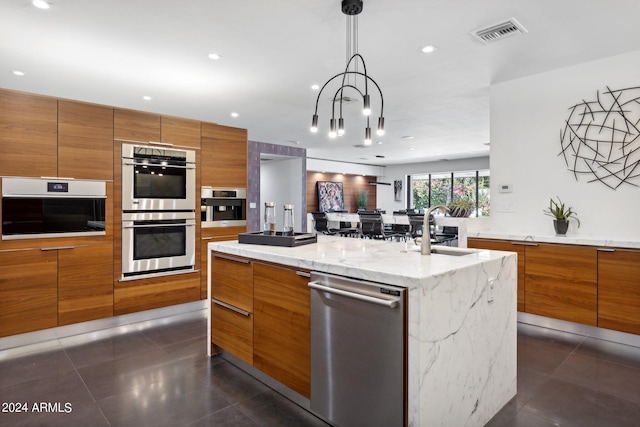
(552,238)
(380,261)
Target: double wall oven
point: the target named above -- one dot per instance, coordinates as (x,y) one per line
(158,210)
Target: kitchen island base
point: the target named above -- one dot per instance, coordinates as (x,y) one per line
(461,320)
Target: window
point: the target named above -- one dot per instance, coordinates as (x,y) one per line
(442,188)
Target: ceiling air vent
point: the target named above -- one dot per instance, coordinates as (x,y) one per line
(499,31)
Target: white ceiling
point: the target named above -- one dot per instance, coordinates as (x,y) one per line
(115,51)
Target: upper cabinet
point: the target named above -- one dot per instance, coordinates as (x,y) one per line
(28,134)
(147,127)
(132,125)
(177,131)
(224,156)
(85,141)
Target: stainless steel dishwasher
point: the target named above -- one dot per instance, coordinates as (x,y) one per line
(357,351)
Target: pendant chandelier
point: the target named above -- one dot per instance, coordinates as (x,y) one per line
(350,78)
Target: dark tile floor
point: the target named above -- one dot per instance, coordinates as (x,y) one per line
(161,376)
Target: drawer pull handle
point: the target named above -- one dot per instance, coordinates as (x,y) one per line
(232,258)
(230,307)
(55,248)
(303,274)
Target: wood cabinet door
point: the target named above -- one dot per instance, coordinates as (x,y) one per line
(28,291)
(85,283)
(508,246)
(232,331)
(224,156)
(85,140)
(619,290)
(28,134)
(561,282)
(130,125)
(207,238)
(281,326)
(182,132)
(232,280)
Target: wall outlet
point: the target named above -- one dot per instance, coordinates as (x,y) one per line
(252,205)
(490,284)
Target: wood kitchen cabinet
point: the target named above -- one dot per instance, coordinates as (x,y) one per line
(130,296)
(54,286)
(508,246)
(561,282)
(130,125)
(208,235)
(232,305)
(281,325)
(138,126)
(85,141)
(28,134)
(28,291)
(619,290)
(224,156)
(85,283)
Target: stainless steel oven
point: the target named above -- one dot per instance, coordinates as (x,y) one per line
(223,207)
(157,243)
(158,178)
(34,208)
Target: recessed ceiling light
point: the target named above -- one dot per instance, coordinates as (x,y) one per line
(214,56)
(315,87)
(147,98)
(234,114)
(18,73)
(379,142)
(41,4)
(411,148)
(429,49)
(407,137)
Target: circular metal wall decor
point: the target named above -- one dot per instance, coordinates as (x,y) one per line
(601,138)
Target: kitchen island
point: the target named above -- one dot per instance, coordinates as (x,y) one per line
(461,318)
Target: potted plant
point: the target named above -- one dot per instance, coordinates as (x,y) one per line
(561,215)
(460,208)
(362,199)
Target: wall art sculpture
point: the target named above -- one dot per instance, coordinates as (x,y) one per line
(601,138)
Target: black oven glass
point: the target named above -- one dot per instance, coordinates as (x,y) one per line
(158,241)
(51,215)
(155,181)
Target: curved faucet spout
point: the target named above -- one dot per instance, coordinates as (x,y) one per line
(425,247)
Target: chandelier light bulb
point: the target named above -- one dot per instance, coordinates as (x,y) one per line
(380,130)
(314,123)
(332,129)
(340,126)
(367,105)
(367,136)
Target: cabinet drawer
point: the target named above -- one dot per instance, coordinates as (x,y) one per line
(232,331)
(232,280)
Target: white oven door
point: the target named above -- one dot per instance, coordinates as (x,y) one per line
(156,244)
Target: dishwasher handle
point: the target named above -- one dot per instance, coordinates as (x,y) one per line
(387,303)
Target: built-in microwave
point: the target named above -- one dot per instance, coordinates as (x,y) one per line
(223,207)
(50,207)
(158,178)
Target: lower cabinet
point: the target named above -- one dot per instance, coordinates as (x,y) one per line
(131,296)
(619,290)
(260,313)
(232,305)
(281,325)
(561,282)
(28,291)
(49,287)
(85,283)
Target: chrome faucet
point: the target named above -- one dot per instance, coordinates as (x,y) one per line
(425,246)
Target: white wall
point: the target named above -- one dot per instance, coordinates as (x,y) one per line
(392,173)
(280,182)
(527,116)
